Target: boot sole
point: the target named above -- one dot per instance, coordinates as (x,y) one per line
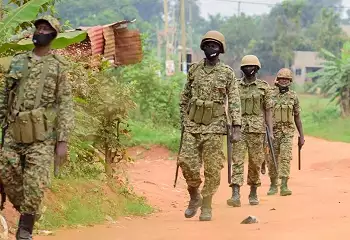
(204,219)
(285,194)
(191,216)
(253,203)
(271,194)
(233,203)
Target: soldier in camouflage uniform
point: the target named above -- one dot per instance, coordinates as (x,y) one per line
(202,107)
(36,110)
(286,113)
(256,110)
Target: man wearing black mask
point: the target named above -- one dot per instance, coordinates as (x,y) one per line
(210,85)
(256,112)
(36,111)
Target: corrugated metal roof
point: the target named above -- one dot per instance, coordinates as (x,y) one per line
(115,42)
(100,34)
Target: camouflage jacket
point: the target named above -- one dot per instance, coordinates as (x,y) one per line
(56,96)
(255,99)
(211,84)
(286,106)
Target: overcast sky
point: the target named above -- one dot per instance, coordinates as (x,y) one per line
(226,8)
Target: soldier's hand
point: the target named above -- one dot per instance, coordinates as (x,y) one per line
(236,134)
(301,141)
(61,149)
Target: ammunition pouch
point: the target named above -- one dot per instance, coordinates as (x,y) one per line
(204,112)
(284,113)
(251,103)
(29,126)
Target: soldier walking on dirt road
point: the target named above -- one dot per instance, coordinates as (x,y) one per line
(209,83)
(256,107)
(36,109)
(286,113)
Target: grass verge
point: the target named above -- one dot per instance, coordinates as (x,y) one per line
(147,134)
(322,119)
(74,202)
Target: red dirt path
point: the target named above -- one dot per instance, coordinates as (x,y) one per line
(318,208)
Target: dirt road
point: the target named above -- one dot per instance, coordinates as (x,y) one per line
(318,208)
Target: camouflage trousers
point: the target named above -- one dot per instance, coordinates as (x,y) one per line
(25,173)
(282,145)
(196,150)
(254,144)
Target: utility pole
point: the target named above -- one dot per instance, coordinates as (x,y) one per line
(239,8)
(166,29)
(190,22)
(183,37)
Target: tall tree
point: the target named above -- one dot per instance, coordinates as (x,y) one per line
(288,29)
(327,33)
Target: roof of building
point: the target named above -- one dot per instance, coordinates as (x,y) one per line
(307,59)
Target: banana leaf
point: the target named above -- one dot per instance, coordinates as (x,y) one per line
(63,40)
(25,13)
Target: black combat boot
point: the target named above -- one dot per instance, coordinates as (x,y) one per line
(206,209)
(25,227)
(195,202)
(235,200)
(253,196)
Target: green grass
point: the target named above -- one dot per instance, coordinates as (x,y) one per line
(73,202)
(148,134)
(322,119)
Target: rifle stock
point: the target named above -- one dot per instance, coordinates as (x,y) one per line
(271,147)
(299,153)
(178,155)
(229,153)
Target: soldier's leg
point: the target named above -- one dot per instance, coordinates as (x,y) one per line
(255,143)
(190,164)
(11,173)
(273,174)
(285,157)
(36,178)
(238,155)
(213,158)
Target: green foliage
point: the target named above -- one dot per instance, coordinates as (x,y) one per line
(157,99)
(147,133)
(323,119)
(25,13)
(333,79)
(102,105)
(63,40)
(73,202)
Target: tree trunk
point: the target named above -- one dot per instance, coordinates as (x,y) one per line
(108,162)
(345,102)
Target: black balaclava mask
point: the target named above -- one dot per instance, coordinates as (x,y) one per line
(41,40)
(249,71)
(210,53)
(211,50)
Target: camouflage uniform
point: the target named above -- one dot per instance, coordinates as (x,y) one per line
(203,141)
(286,106)
(39,83)
(255,99)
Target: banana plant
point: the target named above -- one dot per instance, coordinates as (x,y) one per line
(28,12)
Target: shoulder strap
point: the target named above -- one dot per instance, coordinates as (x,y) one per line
(20,91)
(39,92)
(25,73)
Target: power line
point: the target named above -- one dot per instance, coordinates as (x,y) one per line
(272,4)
